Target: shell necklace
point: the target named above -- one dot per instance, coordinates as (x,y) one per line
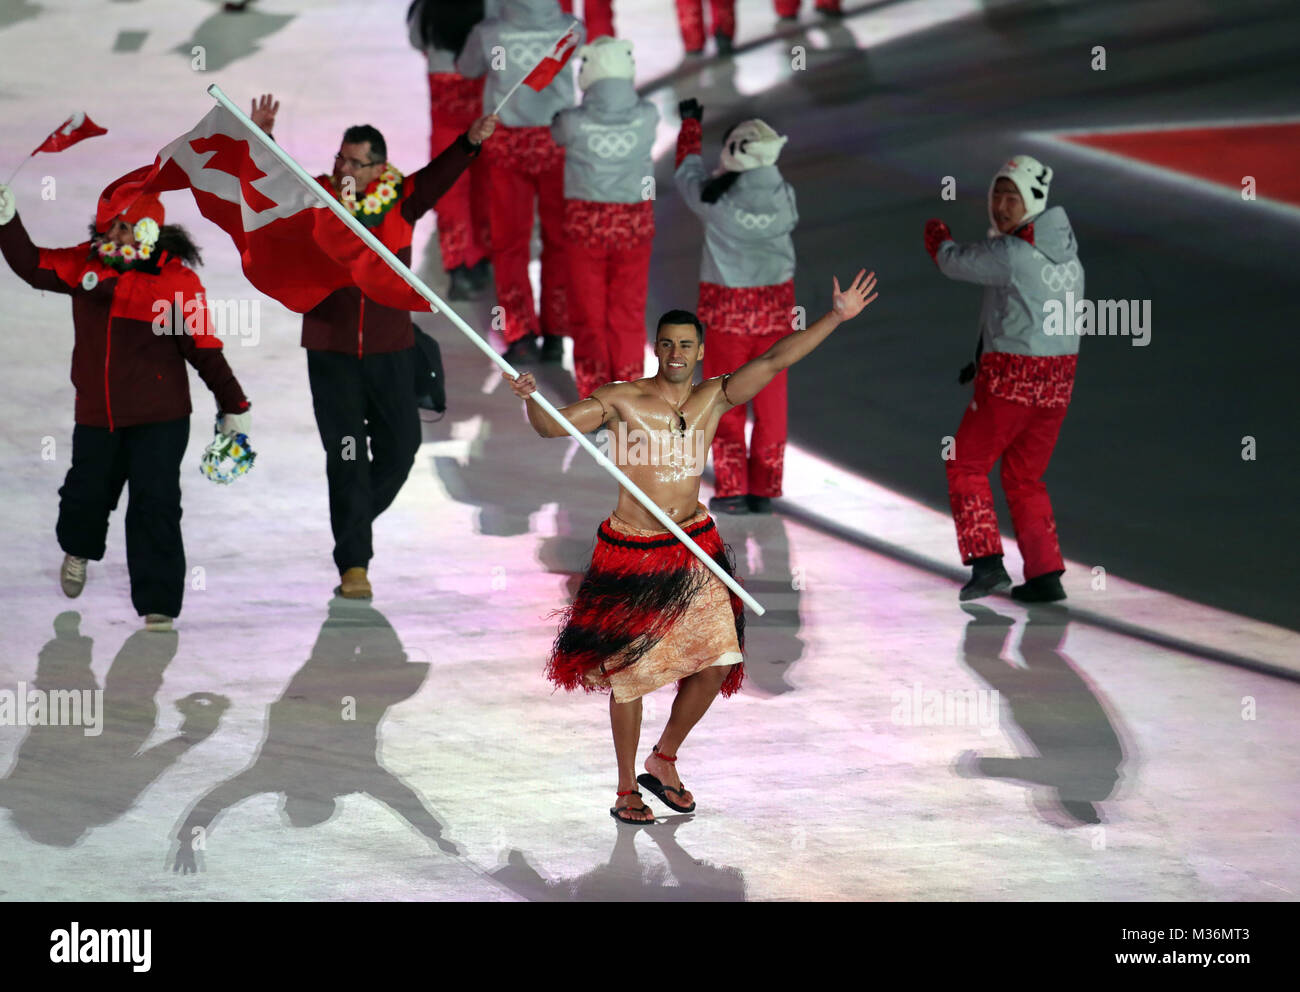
(680,429)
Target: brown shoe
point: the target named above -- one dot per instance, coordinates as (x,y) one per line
(354,585)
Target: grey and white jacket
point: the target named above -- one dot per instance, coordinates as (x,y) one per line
(607,143)
(747,231)
(1019,279)
(523,33)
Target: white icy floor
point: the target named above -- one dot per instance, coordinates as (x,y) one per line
(829,777)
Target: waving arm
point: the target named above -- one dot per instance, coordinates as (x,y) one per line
(748,380)
(23,256)
(690,175)
(985,262)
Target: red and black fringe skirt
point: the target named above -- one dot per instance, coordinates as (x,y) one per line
(636,589)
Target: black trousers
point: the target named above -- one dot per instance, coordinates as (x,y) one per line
(148,456)
(359,400)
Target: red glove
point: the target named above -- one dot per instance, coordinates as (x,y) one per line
(689,139)
(936,233)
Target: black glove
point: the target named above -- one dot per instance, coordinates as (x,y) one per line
(691,108)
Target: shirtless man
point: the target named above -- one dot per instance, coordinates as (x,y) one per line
(648,612)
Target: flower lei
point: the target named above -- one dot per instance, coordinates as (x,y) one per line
(123,257)
(377,199)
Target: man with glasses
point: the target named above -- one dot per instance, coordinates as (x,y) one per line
(360,353)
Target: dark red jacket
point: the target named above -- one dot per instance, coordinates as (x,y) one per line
(349,321)
(126,373)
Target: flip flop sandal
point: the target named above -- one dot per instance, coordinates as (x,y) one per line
(660,790)
(617,812)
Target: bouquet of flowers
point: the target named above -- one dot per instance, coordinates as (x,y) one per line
(227,458)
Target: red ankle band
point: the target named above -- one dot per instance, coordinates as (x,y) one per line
(630,792)
(660,754)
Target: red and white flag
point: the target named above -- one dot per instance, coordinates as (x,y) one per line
(76,128)
(291,246)
(551,64)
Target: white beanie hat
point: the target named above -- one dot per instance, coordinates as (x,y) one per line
(751,144)
(606,58)
(1031,178)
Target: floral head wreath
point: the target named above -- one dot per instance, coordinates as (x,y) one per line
(145,232)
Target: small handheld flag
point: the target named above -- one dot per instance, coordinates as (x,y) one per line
(76,128)
(550,65)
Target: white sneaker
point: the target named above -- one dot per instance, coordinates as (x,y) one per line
(156,621)
(72,576)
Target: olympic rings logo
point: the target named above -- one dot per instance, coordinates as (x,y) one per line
(754,222)
(616,144)
(527,52)
(1062,276)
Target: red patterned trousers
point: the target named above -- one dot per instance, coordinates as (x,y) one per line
(690,16)
(759,471)
(463,223)
(599,15)
(741,324)
(790,8)
(609,263)
(1023,435)
(526,167)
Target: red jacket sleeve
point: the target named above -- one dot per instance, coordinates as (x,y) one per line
(199,346)
(25,258)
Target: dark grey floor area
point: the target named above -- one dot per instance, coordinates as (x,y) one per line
(1148,479)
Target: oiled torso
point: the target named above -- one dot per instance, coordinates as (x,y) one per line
(644,436)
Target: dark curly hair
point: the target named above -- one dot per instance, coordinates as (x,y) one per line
(172,239)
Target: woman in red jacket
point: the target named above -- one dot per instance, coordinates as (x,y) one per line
(139,315)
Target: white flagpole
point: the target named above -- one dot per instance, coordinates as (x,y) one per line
(519,83)
(19,169)
(415,283)
(521,79)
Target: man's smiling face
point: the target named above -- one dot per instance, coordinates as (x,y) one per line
(678,349)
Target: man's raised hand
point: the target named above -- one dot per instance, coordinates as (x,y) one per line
(264,111)
(850,302)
